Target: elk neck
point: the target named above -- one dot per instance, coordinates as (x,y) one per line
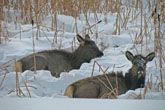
(132,81)
(77,58)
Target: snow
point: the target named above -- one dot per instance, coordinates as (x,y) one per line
(79,104)
(46,90)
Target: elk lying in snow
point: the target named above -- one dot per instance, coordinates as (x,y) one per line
(58,61)
(97,86)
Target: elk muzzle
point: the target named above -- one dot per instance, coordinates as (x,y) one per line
(100,54)
(141,72)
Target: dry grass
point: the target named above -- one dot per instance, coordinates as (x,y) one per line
(39,9)
(113,91)
(155,21)
(18,90)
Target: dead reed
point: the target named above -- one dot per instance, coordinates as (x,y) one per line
(1,18)
(34,53)
(113,91)
(18,89)
(155,22)
(3,78)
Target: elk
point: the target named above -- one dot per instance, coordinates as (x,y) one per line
(57,61)
(100,85)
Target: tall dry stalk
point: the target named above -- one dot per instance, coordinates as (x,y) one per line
(126,15)
(158,19)
(0,31)
(160,52)
(141,19)
(75,26)
(87,22)
(137,3)
(17,82)
(3,79)
(34,55)
(54,27)
(118,18)
(1,18)
(118,13)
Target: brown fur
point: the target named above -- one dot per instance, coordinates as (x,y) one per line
(17,67)
(97,86)
(69,91)
(94,88)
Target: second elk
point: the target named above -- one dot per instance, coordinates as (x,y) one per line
(57,61)
(102,86)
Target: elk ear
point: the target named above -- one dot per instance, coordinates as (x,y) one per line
(87,37)
(150,56)
(80,39)
(129,56)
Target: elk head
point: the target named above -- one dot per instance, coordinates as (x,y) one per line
(139,63)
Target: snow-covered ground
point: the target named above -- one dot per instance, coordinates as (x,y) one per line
(47,88)
(79,104)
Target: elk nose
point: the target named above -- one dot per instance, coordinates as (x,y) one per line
(100,54)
